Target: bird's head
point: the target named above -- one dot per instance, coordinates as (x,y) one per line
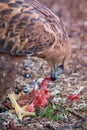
(59,59)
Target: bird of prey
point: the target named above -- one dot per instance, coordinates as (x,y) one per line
(28,28)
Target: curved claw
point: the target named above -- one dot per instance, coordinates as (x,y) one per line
(21,112)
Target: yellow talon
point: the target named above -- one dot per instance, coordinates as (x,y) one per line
(19,111)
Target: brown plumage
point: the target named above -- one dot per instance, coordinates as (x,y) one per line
(29,28)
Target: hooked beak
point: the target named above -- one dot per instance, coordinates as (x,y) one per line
(56,72)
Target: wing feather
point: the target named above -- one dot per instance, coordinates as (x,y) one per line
(34,39)
(22,29)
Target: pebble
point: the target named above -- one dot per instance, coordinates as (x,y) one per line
(57,99)
(26,67)
(26,75)
(29,87)
(26,88)
(36,86)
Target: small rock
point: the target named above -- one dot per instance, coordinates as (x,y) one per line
(36,86)
(26,88)
(26,67)
(26,75)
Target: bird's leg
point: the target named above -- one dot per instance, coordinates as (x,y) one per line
(19,111)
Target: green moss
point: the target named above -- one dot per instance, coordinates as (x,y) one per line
(50,112)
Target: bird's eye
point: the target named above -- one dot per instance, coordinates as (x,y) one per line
(60,69)
(61,66)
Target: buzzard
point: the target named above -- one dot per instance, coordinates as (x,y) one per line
(28,28)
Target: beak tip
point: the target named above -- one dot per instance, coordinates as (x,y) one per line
(54,78)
